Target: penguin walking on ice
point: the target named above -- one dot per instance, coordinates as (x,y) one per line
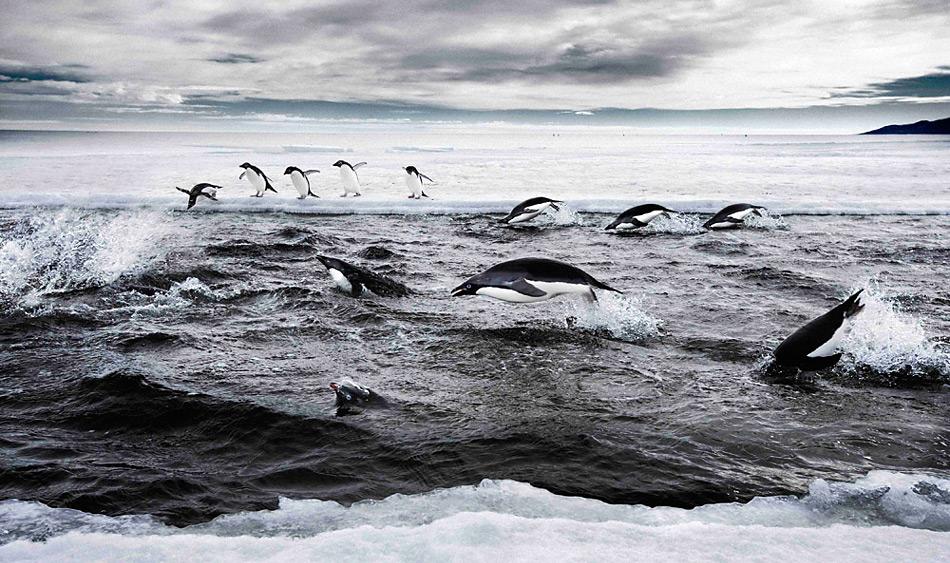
(529,209)
(637,217)
(203,189)
(301,180)
(814,346)
(531,280)
(732,216)
(349,178)
(258,179)
(414,182)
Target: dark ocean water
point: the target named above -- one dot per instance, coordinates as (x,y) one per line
(177,364)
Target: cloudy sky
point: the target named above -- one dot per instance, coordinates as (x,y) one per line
(109,64)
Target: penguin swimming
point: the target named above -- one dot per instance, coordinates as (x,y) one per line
(351,182)
(301,181)
(352,279)
(529,209)
(813,346)
(732,216)
(638,216)
(414,182)
(350,396)
(203,189)
(258,179)
(531,280)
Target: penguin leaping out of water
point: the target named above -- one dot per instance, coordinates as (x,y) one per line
(531,280)
(529,209)
(814,346)
(352,279)
(258,179)
(351,182)
(203,189)
(732,216)
(301,181)
(414,182)
(637,217)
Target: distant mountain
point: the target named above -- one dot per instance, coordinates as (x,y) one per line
(937,127)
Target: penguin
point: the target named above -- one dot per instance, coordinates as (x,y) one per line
(414,182)
(814,346)
(258,179)
(637,217)
(351,396)
(209,191)
(732,216)
(351,182)
(301,181)
(529,209)
(531,280)
(352,279)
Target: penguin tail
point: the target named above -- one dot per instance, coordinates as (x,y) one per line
(425,195)
(310,192)
(852,305)
(182,191)
(270,188)
(599,284)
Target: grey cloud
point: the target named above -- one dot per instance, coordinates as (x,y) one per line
(935,85)
(21,72)
(235,58)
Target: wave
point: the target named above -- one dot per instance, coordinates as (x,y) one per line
(881,516)
(620,316)
(69,250)
(235,200)
(888,346)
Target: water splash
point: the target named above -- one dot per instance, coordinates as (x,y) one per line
(69,249)
(886,342)
(768,221)
(621,316)
(675,224)
(565,215)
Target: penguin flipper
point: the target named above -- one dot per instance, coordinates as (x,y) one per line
(555,207)
(209,196)
(523,287)
(356,288)
(309,172)
(431,181)
(358,165)
(241,177)
(184,191)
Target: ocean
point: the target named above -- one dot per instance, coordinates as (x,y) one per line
(165,372)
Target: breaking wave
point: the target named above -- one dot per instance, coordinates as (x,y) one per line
(881,516)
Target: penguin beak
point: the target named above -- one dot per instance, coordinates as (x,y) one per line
(463,290)
(334,386)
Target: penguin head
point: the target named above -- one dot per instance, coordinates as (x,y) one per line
(470,287)
(290,169)
(411,170)
(350,393)
(246,165)
(341,163)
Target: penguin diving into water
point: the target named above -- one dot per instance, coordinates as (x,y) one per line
(637,217)
(258,179)
(732,216)
(529,209)
(209,191)
(301,181)
(352,279)
(531,280)
(351,182)
(814,346)
(414,182)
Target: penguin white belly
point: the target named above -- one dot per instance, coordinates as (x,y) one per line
(740,215)
(831,346)
(529,213)
(303,188)
(414,183)
(647,217)
(351,184)
(340,280)
(561,288)
(723,225)
(257,182)
(510,295)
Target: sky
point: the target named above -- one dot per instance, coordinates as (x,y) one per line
(291,65)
